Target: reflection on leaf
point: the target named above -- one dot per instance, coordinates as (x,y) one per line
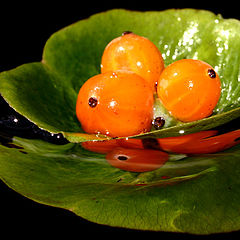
(71,177)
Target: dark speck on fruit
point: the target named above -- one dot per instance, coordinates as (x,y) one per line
(92,102)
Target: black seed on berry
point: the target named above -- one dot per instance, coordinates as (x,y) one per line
(211,73)
(126,32)
(158,122)
(92,102)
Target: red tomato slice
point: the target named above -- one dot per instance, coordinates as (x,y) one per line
(209,145)
(136,160)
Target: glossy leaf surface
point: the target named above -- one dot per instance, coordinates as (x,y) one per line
(197,194)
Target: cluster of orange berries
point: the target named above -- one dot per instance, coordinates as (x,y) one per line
(119,101)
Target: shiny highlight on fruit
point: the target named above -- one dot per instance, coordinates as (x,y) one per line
(189,89)
(133,53)
(117,104)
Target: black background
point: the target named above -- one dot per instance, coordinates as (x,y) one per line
(24,29)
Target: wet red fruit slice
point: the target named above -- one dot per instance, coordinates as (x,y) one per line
(136,160)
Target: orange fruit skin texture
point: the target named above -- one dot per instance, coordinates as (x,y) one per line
(124,104)
(133,53)
(187,91)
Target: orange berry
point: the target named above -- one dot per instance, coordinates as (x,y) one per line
(118,104)
(133,53)
(189,89)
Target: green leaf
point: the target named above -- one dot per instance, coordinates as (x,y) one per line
(40,95)
(197,195)
(46,92)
